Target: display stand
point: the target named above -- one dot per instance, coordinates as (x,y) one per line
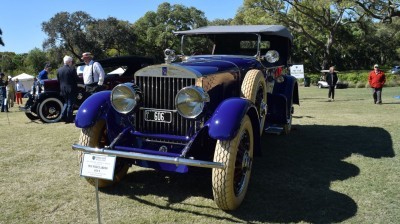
(98,166)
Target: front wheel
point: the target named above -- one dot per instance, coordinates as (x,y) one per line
(31,116)
(50,109)
(230,184)
(254,88)
(96,137)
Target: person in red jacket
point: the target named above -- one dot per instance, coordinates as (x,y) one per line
(376,80)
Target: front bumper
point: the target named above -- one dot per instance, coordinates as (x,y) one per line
(150,157)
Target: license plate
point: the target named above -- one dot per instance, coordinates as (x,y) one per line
(158,116)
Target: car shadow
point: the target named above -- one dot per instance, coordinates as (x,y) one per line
(290,182)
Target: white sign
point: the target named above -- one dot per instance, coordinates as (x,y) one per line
(297,71)
(98,166)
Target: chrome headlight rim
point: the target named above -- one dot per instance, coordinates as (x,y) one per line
(272,56)
(125,97)
(201,97)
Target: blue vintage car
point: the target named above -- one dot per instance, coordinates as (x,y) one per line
(204,111)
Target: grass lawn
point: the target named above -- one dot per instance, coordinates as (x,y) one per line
(339,164)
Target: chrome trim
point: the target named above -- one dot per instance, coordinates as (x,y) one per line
(159,94)
(163,142)
(147,157)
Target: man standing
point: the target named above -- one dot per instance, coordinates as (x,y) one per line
(3,84)
(331,79)
(10,92)
(44,74)
(68,80)
(376,80)
(93,74)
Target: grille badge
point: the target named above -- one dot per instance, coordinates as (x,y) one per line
(163,148)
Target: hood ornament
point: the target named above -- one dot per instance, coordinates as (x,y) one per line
(169,56)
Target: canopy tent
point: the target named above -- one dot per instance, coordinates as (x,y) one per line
(25,79)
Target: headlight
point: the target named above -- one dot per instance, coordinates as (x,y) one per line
(190,101)
(125,97)
(272,56)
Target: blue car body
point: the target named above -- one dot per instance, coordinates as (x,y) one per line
(157,134)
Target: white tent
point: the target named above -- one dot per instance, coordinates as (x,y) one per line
(26,80)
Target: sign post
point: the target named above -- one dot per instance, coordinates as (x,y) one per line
(98,166)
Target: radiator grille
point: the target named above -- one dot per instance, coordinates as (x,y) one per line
(159,93)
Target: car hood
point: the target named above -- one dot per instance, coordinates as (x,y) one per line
(198,66)
(211,64)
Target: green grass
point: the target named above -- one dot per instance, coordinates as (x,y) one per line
(339,164)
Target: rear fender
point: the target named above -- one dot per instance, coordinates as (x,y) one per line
(92,109)
(288,88)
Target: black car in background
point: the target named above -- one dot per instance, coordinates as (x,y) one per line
(46,103)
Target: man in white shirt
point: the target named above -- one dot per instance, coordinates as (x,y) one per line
(93,74)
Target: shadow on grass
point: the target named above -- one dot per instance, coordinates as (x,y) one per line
(289,183)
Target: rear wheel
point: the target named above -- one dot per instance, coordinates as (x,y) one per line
(254,88)
(96,136)
(230,184)
(50,109)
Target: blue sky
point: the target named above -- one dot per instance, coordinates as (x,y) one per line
(20,20)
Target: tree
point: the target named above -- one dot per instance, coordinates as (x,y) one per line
(114,36)
(36,60)
(68,32)
(383,10)
(1,40)
(220,22)
(314,23)
(155,29)
(317,24)
(7,64)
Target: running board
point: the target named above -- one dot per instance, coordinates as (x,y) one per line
(274,130)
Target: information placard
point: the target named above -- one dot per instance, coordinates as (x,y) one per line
(98,166)
(297,71)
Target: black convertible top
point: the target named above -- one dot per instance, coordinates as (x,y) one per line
(276,30)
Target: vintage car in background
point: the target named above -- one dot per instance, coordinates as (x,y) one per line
(46,103)
(205,111)
(395,69)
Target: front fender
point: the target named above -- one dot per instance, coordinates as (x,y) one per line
(91,109)
(51,94)
(226,119)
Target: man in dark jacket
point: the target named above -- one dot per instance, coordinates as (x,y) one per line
(3,93)
(331,79)
(68,79)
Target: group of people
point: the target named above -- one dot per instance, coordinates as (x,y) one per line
(376,80)
(93,78)
(10,92)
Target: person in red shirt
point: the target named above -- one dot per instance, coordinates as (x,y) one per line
(376,80)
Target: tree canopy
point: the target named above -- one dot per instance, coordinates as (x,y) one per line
(350,34)
(1,39)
